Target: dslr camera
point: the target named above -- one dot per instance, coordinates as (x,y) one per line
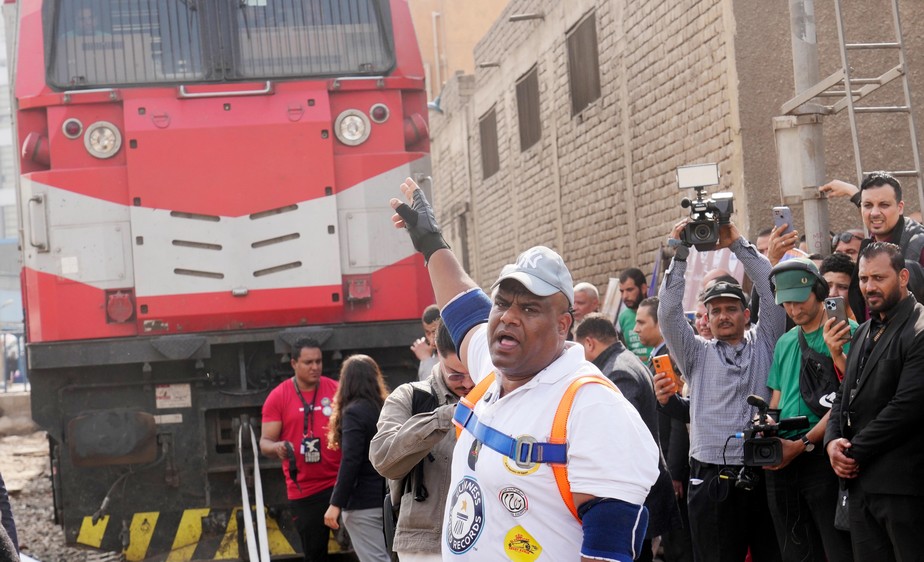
(706,214)
(766,450)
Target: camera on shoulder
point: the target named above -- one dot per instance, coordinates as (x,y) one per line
(707,214)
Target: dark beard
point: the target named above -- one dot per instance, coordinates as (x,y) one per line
(889,300)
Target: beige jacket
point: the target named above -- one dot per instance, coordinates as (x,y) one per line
(401,442)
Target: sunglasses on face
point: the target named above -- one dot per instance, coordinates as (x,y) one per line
(453,376)
(844,237)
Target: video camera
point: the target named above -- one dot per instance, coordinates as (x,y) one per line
(706,215)
(766,450)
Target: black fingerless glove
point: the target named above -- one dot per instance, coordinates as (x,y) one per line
(421,224)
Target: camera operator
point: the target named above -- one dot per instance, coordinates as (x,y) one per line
(874,439)
(725,521)
(803,483)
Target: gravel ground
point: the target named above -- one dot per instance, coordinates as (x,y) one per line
(25,468)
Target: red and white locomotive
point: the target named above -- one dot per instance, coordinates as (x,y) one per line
(202,182)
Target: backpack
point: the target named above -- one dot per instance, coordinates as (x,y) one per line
(421,402)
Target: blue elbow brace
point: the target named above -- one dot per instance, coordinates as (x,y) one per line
(613,529)
(464,313)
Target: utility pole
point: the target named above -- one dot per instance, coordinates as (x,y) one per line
(799,135)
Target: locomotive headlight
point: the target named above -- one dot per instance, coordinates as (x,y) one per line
(352,127)
(102,139)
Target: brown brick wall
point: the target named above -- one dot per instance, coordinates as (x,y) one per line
(682,82)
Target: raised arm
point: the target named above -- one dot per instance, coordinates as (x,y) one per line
(838,188)
(780,243)
(678,334)
(446,273)
(448,278)
(836,334)
(771,321)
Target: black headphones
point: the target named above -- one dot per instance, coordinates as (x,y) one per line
(820,287)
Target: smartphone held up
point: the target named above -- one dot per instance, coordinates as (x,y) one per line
(836,308)
(781,216)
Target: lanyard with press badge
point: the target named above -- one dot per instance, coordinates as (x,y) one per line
(311,445)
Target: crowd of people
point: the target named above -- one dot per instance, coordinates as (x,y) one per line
(782,422)
(776,424)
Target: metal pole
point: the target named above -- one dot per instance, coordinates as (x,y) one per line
(806,74)
(804,43)
(21,348)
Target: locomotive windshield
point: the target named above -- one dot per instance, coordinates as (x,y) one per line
(102,43)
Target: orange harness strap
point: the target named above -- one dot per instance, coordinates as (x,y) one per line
(474,396)
(559,426)
(560,435)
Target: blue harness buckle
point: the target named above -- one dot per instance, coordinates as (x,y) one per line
(524,450)
(527,442)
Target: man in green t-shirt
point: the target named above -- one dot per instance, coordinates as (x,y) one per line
(802,489)
(632,288)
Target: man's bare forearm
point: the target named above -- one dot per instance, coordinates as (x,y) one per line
(447,277)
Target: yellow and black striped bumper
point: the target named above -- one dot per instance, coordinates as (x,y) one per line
(193,534)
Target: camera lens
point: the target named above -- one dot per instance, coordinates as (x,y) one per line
(702,232)
(763,452)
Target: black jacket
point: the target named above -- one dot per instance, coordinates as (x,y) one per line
(634,381)
(358,485)
(673,435)
(908,235)
(887,412)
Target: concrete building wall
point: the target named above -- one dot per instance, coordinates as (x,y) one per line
(599,186)
(764,62)
(681,82)
(446,31)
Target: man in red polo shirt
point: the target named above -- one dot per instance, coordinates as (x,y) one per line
(297,411)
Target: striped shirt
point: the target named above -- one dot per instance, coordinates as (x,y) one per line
(722,376)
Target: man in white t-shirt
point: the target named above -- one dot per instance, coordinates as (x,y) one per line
(505,501)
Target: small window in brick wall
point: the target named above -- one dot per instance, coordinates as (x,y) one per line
(490,158)
(583,63)
(528,108)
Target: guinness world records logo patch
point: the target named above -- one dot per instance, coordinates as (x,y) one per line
(466,516)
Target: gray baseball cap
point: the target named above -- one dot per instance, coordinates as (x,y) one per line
(541,271)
